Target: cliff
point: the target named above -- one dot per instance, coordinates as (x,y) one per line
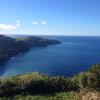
(9,47)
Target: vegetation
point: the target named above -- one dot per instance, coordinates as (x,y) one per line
(37,41)
(90,79)
(56,96)
(36,86)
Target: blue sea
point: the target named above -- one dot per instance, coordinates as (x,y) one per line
(75,54)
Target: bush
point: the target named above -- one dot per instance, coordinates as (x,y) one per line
(40,84)
(90,79)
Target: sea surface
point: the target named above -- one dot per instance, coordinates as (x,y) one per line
(75,54)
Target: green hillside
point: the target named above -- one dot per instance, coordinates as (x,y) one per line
(36,86)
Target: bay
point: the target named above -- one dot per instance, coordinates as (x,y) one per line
(75,54)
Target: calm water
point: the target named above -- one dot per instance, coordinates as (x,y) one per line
(73,55)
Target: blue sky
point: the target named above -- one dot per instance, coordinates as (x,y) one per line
(50,17)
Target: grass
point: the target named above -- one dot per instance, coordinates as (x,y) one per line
(57,96)
(22,39)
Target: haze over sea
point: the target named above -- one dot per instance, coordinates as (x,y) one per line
(75,54)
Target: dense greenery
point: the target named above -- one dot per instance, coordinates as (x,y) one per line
(37,85)
(90,79)
(56,96)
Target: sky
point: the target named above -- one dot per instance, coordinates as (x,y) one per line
(50,17)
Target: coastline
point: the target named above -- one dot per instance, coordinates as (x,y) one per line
(16,46)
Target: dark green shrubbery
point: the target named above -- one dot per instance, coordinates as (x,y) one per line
(90,79)
(44,85)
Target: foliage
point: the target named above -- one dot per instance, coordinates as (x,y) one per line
(36,84)
(90,79)
(56,96)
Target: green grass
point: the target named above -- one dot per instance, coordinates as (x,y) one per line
(22,39)
(57,96)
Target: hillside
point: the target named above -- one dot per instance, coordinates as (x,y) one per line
(9,47)
(36,86)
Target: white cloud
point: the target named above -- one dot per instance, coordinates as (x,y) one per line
(43,22)
(5,27)
(39,22)
(34,22)
(18,23)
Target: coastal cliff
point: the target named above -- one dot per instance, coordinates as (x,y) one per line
(9,47)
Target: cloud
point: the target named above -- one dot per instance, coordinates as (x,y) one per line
(18,23)
(8,27)
(4,26)
(43,22)
(34,22)
(39,22)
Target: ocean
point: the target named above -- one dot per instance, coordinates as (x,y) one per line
(75,54)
